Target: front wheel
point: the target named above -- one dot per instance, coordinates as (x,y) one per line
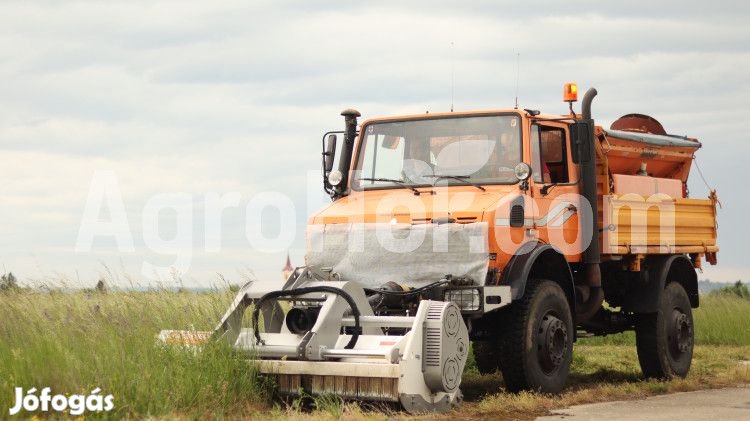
(538,346)
(665,339)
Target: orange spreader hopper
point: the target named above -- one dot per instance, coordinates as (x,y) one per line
(635,139)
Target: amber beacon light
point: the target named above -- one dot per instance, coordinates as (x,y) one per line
(570,92)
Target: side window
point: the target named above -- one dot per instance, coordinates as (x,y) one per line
(550,163)
(536,160)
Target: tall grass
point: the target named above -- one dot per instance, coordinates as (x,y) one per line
(76,342)
(723,319)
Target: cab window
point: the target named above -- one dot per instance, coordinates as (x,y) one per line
(549,156)
(425,152)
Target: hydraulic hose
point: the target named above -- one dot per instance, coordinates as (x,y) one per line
(408,292)
(307,290)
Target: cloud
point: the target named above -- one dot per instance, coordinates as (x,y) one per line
(217,97)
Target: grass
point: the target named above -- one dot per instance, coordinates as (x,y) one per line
(76,342)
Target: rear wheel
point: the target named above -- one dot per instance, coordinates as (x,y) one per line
(537,347)
(665,339)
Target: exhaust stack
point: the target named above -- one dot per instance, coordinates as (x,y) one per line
(591,292)
(345,161)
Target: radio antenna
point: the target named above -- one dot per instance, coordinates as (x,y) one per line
(452,76)
(518,74)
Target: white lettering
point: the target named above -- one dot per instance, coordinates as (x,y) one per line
(104,188)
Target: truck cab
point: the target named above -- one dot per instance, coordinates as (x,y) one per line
(510,171)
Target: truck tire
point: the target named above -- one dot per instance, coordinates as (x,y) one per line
(537,347)
(665,339)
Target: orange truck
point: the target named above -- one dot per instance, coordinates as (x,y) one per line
(503,231)
(541,228)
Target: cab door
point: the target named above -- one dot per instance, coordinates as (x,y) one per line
(554,188)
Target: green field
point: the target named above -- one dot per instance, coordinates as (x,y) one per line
(76,342)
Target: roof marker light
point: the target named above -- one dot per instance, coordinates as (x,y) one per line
(570,92)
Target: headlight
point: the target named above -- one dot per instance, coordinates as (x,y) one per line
(335,177)
(523,171)
(465,299)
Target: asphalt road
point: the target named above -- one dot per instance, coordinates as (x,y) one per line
(717,404)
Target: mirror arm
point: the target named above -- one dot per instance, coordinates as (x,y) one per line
(546,188)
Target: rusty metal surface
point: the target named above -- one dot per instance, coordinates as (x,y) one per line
(638,123)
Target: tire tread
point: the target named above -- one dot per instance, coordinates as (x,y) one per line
(512,361)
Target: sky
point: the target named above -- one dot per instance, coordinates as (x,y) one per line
(192,103)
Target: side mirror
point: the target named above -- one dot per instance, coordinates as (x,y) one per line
(329,154)
(580,142)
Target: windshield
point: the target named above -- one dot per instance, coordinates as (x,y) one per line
(480,150)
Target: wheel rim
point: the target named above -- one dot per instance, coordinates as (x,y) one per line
(552,343)
(681,336)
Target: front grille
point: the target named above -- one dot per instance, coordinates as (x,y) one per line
(516,216)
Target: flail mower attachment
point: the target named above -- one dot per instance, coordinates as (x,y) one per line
(330,342)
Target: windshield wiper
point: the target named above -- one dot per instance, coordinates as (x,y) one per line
(393,180)
(463,178)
